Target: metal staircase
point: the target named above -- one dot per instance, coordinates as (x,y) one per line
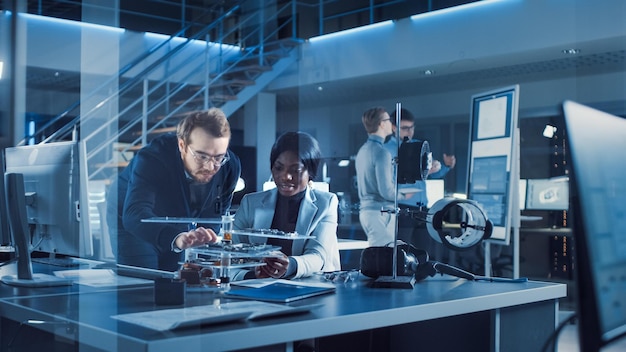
(179,76)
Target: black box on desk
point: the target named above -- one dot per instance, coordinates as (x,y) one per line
(169,292)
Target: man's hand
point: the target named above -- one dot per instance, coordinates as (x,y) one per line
(196,237)
(436,166)
(449,160)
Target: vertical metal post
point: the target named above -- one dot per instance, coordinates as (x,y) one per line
(144,114)
(395,199)
(183,5)
(320,14)
(294,26)
(207,71)
(261,32)
(394,281)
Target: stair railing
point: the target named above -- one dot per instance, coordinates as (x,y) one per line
(100,151)
(67,129)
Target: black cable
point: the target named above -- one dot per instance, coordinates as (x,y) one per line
(553,338)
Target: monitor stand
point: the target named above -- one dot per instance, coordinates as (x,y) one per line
(37,280)
(16,204)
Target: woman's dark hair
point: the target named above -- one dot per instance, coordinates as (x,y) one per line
(304,145)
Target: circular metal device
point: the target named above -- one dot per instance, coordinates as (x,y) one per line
(458,223)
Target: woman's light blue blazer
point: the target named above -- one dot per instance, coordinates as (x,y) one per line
(317,218)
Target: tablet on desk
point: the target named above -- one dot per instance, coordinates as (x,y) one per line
(281,291)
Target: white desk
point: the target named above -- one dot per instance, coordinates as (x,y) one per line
(484,315)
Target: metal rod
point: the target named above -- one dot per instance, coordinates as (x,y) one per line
(395,200)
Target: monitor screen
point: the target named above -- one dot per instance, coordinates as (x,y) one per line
(491,113)
(547,194)
(493,156)
(489,187)
(597,197)
(52,185)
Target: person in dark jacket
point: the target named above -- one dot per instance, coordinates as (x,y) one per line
(190,174)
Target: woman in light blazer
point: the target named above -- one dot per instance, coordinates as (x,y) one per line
(293,206)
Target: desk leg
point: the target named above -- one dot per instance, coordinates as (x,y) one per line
(520,328)
(524,328)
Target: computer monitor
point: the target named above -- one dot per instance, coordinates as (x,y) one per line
(493,155)
(52,182)
(596,142)
(16,205)
(547,194)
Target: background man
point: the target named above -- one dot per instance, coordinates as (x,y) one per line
(375,180)
(410,230)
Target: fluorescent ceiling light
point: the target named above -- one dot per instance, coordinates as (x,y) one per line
(455,8)
(1,65)
(351,31)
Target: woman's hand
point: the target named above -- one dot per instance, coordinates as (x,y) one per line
(195,237)
(275,267)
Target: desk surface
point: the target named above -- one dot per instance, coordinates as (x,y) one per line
(354,307)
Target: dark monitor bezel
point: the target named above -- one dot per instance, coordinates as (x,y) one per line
(592,335)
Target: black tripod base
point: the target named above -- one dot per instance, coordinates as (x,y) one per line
(394,282)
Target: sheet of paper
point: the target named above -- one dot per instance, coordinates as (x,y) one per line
(168,319)
(100,278)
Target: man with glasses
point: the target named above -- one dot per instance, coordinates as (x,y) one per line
(375,181)
(190,174)
(410,230)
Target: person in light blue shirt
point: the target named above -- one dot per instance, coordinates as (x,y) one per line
(409,229)
(375,180)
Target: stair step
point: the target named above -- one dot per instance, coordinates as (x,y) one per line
(268,59)
(238,83)
(162,130)
(246,70)
(281,45)
(119,164)
(180,115)
(215,98)
(157,131)
(132,148)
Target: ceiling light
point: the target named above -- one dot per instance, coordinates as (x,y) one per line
(549,131)
(1,64)
(241,185)
(343,162)
(429,72)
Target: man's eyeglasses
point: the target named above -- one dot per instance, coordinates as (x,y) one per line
(204,159)
(407,128)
